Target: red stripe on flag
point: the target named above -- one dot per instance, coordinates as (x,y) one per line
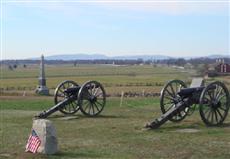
(33,143)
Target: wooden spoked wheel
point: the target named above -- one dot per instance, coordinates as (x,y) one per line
(60,94)
(169,98)
(91,98)
(214,104)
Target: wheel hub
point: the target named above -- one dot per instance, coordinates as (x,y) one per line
(92,99)
(216,104)
(176,100)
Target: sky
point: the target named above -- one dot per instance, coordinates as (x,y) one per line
(111,27)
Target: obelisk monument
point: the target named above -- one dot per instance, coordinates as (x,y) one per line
(42,89)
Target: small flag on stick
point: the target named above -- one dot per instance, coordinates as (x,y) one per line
(33,142)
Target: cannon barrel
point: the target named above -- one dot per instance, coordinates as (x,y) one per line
(56,107)
(186,92)
(180,106)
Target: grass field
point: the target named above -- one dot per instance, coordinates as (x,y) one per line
(118,132)
(114,78)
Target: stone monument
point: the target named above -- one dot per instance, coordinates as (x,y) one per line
(48,136)
(42,89)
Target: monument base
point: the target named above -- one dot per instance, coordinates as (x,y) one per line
(42,90)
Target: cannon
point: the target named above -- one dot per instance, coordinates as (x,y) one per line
(69,97)
(177,101)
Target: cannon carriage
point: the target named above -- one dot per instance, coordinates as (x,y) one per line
(177,101)
(69,98)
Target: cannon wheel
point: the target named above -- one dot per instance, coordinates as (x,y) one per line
(91,98)
(59,95)
(169,97)
(214,104)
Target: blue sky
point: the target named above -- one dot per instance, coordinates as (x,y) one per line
(173,28)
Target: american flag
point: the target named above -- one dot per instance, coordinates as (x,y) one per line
(33,142)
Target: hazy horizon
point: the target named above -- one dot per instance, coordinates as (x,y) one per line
(82,56)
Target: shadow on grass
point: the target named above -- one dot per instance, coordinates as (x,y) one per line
(176,126)
(108,116)
(62,116)
(194,125)
(224,125)
(78,155)
(80,116)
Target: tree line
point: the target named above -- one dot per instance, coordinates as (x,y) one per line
(12,64)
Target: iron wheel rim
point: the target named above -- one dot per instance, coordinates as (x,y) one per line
(60,95)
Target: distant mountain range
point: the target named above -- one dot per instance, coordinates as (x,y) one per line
(67,57)
(218,56)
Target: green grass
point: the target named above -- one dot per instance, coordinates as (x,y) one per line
(85,70)
(115,78)
(117,133)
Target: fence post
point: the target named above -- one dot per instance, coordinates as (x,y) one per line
(143,93)
(122,96)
